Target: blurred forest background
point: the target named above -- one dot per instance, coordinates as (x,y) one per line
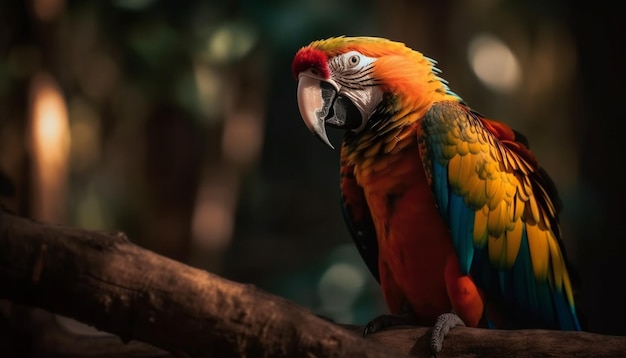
(177,122)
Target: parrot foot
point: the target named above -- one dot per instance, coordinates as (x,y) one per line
(443,325)
(388,320)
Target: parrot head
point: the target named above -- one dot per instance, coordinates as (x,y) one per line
(343,81)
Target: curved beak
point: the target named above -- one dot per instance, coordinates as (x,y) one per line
(315,99)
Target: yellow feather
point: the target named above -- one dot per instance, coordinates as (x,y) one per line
(454,170)
(392,135)
(550,205)
(492,170)
(510,158)
(404,111)
(448,151)
(481,167)
(480,226)
(558,266)
(365,142)
(521,193)
(403,143)
(519,209)
(497,217)
(468,170)
(373,150)
(475,147)
(453,136)
(503,155)
(510,211)
(462,148)
(406,132)
(521,164)
(498,196)
(389,146)
(545,221)
(477,197)
(495,153)
(568,287)
(497,253)
(538,247)
(534,209)
(513,242)
(491,187)
(367,162)
(509,224)
(511,188)
(528,188)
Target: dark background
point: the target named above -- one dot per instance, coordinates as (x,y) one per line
(177,123)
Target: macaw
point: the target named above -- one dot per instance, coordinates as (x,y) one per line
(450,210)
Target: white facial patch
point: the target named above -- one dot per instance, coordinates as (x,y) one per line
(353,73)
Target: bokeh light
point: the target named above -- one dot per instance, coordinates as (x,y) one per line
(494,63)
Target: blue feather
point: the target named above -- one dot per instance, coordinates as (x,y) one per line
(441,187)
(565,313)
(461,222)
(522,271)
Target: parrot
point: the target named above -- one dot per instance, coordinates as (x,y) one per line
(449,209)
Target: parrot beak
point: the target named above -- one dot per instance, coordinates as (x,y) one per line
(321,104)
(315,98)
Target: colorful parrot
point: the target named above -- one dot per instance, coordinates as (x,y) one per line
(450,210)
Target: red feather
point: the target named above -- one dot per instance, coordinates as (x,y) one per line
(310,58)
(513,140)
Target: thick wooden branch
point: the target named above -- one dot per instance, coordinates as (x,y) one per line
(106,281)
(476,342)
(32,332)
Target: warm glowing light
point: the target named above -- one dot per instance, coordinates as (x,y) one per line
(50,139)
(214,215)
(242,138)
(47,10)
(209,87)
(494,63)
(232,41)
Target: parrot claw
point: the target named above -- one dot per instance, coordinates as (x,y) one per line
(443,325)
(388,320)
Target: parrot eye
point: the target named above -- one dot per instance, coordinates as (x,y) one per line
(354,60)
(350,64)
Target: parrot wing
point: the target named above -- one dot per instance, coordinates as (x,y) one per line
(358,218)
(502,214)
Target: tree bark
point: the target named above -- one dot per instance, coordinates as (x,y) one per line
(33,332)
(104,280)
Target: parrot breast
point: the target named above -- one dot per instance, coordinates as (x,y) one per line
(413,240)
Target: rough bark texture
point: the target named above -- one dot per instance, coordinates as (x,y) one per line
(104,280)
(33,332)
(475,342)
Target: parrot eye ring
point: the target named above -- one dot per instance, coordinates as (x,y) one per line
(354,60)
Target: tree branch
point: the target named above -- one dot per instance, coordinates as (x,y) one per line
(106,281)
(33,332)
